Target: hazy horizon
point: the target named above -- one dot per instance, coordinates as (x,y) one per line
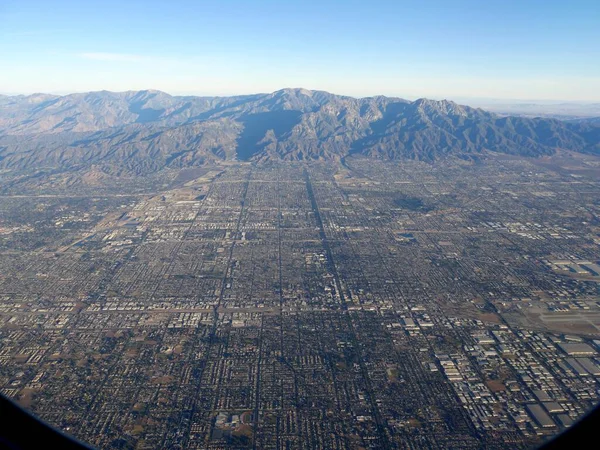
(477,100)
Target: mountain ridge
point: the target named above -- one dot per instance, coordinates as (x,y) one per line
(148,130)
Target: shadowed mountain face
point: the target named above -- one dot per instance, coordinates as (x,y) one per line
(257,126)
(145,131)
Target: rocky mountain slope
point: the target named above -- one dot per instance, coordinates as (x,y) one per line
(145,131)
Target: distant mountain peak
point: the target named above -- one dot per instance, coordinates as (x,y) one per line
(440,106)
(294,91)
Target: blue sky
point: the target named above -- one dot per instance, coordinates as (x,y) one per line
(526,49)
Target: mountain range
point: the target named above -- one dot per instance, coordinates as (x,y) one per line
(146,131)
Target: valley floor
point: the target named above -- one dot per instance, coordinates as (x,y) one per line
(305,305)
